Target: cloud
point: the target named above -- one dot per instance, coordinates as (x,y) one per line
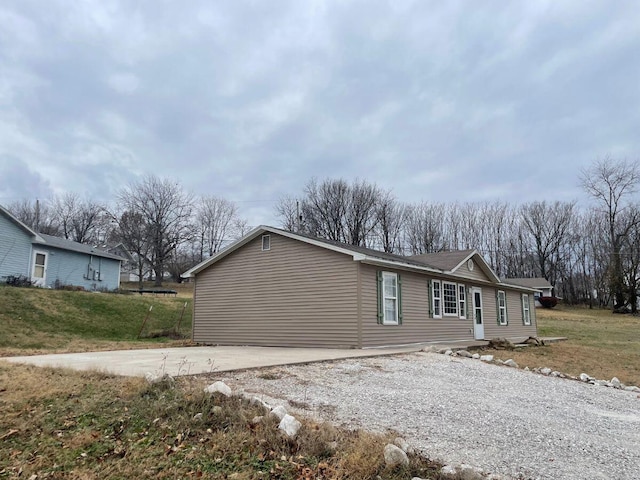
(437,101)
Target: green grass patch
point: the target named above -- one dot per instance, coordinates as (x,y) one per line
(51,320)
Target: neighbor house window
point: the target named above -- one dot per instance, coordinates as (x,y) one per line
(436,295)
(389,298)
(266,242)
(39,264)
(462,301)
(502,307)
(526,310)
(449,291)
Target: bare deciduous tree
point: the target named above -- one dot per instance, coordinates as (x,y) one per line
(216,219)
(547,225)
(36,215)
(390,215)
(164,210)
(425,228)
(610,182)
(132,231)
(78,218)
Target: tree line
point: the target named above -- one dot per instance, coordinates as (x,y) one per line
(164,228)
(591,254)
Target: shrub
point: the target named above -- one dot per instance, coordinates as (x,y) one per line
(548,302)
(18,281)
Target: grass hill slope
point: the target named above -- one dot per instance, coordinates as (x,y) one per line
(45,321)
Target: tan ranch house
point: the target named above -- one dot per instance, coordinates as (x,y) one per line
(278,288)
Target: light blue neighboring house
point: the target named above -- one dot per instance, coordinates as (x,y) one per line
(52,261)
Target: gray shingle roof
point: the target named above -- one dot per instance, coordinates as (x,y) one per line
(64,244)
(537,282)
(443,260)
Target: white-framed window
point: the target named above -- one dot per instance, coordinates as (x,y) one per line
(390,298)
(502,308)
(526,309)
(266,242)
(39,264)
(462,300)
(450,297)
(436,298)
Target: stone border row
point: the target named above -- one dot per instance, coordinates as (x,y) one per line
(583,377)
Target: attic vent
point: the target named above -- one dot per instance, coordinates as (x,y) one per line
(266,242)
(470,265)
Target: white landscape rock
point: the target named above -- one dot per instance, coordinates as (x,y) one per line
(585,378)
(476,356)
(290,425)
(153,378)
(511,363)
(486,358)
(461,472)
(403,445)
(545,371)
(394,456)
(279,412)
(615,383)
(219,387)
(449,352)
(464,353)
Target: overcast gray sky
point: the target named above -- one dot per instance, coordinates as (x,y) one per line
(438,101)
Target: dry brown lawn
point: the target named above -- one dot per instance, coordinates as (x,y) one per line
(85,425)
(600,343)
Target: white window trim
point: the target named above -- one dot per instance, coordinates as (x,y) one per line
(44,265)
(266,240)
(455,289)
(462,302)
(385,321)
(502,308)
(434,298)
(526,309)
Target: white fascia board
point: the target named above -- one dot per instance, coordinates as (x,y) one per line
(11,217)
(223,253)
(356,256)
(483,265)
(400,265)
(261,230)
(518,287)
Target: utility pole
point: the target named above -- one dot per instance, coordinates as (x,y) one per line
(37,219)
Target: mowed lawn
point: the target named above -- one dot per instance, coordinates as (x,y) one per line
(45,321)
(600,343)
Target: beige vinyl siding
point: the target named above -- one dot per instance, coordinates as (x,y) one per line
(476,274)
(515,328)
(417,326)
(294,294)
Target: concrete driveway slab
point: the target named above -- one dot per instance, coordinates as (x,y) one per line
(195,360)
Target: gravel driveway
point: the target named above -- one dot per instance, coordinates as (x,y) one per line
(459,410)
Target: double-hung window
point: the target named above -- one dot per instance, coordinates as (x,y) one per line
(390,289)
(450,296)
(502,307)
(462,301)
(436,298)
(526,309)
(389,298)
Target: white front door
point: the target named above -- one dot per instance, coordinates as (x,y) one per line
(39,270)
(478,321)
